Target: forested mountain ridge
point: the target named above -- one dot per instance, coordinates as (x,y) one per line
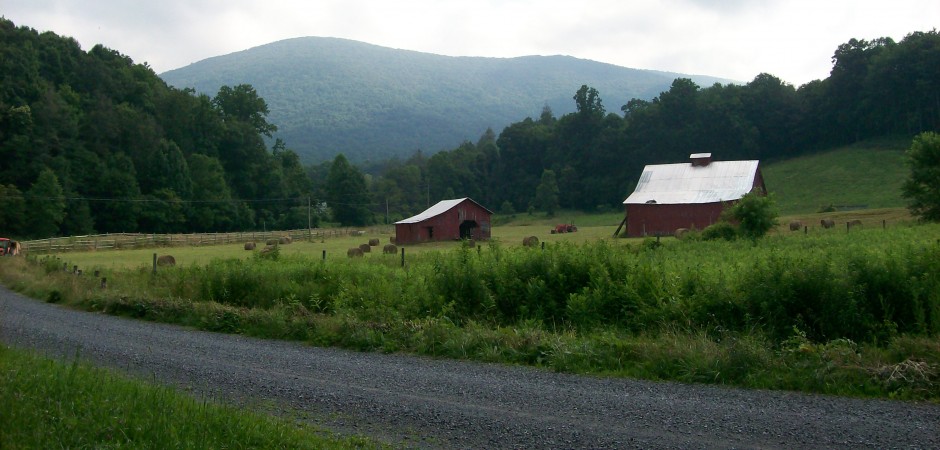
(90,141)
(330,95)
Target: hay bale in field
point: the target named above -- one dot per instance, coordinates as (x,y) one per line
(354,252)
(166,260)
(271,242)
(854,223)
(268,249)
(374,242)
(365,248)
(681,232)
(390,249)
(530,241)
(827,223)
(284,240)
(796,225)
(249,245)
(392,239)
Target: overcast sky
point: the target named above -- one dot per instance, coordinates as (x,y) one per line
(736,39)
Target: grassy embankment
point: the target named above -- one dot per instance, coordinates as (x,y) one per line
(48,404)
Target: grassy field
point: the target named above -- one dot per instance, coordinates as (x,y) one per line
(49,404)
(867,175)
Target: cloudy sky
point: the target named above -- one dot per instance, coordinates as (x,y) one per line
(736,39)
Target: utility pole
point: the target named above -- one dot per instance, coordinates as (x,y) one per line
(309,230)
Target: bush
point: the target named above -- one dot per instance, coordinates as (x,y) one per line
(720,230)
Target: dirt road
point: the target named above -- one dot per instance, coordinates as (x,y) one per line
(432,403)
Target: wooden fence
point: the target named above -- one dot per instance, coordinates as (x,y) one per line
(140,240)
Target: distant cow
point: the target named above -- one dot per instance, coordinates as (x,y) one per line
(796,225)
(354,252)
(390,249)
(854,223)
(827,223)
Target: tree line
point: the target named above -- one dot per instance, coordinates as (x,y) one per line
(591,159)
(92,142)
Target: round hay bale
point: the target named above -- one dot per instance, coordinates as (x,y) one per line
(374,242)
(530,241)
(365,248)
(271,242)
(249,245)
(796,225)
(166,260)
(390,249)
(681,232)
(392,239)
(354,252)
(284,240)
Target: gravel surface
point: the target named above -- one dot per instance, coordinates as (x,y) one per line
(430,403)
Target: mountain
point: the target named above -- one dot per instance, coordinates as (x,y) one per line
(329,95)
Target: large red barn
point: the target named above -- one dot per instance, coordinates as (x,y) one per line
(460,218)
(688,195)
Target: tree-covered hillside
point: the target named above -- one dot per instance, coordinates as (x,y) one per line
(331,96)
(876,88)
(90,141)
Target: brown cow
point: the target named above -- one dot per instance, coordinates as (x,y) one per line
(827,223)
(796,225)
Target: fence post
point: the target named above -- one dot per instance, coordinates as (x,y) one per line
(324,255)
(154,263)
(403,256)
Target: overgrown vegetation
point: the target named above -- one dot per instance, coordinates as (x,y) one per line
(772,313)
(48,404)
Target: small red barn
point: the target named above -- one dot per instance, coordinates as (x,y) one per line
(688,195)
(460,218)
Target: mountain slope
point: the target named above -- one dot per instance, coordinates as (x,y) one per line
(330,95)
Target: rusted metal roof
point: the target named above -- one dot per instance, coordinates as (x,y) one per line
(438,209)
(685,184)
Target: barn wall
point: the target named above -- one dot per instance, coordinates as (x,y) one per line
(446,225)
(653,219)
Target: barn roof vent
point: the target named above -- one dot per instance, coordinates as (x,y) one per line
(701,159)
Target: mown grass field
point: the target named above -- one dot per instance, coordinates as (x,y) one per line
(867,175)
(49,404)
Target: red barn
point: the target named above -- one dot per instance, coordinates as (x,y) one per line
(688,195)
(460,218)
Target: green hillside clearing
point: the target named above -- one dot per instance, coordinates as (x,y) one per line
(866,175)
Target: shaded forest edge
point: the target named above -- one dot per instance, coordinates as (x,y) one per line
(92,142)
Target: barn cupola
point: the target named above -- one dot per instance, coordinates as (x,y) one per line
(700,159)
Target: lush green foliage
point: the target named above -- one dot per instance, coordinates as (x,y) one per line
(597,157)
(46,404)
(754,215)
(922,188)
(827,311)
(91,141)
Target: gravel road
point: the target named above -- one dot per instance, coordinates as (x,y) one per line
(429,403)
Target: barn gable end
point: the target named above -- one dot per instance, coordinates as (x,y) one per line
(447,220)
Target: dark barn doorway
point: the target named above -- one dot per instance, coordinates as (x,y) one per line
(466,229)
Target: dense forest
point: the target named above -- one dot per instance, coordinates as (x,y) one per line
(590,159)
(92,142)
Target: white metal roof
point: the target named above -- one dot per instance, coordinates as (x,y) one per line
(438,208)
(684,183)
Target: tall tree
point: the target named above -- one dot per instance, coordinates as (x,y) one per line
(46,205)
(546,194)
(347,194)
(922,188)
